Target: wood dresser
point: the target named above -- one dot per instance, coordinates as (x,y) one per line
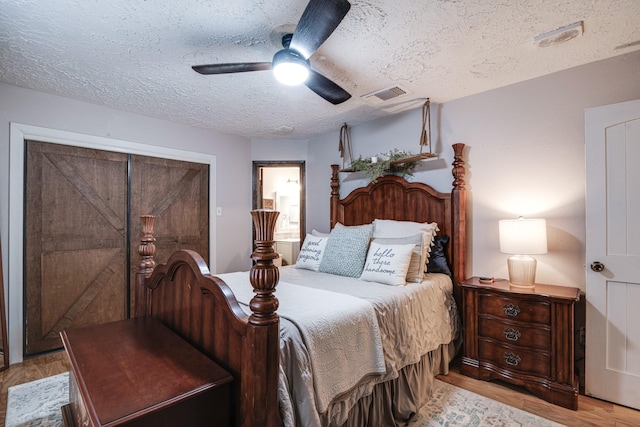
(137,372)
(522,336)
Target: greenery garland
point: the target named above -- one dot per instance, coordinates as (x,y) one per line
(374,170)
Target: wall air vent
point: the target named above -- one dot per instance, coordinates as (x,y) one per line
(385,94)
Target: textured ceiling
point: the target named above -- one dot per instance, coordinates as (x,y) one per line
(135,55)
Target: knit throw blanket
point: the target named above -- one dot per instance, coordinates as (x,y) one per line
(340,332)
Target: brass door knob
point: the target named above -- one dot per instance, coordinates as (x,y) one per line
(597,266)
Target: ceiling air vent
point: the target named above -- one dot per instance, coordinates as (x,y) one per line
(385,94)
(561,35)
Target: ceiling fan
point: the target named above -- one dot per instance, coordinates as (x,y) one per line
(291,64)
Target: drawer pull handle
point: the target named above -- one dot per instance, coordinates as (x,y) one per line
(512,359)
(511,310)
(511,334)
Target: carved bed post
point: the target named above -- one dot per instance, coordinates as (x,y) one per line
(335,195)
(263,408)
(264,274)
(146,250)
(459,195)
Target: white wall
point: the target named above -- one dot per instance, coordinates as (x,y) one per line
(267,150)
(525,156)
(233,154)
(401,131)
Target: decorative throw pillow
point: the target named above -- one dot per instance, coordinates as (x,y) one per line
(393,228)
(346,251)
(438,259)
(387,264)
(417,261)
(317,233)
(311,252)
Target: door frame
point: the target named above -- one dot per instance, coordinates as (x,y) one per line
(18,133)
(300,164)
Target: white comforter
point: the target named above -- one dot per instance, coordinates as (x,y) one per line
(411,321)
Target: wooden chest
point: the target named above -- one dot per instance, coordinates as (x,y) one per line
(137,372)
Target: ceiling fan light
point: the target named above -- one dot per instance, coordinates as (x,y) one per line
(291,74)
(290,68)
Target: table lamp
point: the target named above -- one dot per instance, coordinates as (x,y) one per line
(522,238)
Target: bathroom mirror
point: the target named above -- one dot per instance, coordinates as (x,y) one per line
(280,185)
(4,350)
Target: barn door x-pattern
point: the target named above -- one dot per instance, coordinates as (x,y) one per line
(82,209)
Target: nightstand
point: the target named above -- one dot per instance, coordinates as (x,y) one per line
(521,336)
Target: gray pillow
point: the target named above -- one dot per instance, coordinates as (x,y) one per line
(346,251)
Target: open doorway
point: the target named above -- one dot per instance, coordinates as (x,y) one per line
(280,185)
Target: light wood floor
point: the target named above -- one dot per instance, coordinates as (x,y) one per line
(30,370)
(592,412)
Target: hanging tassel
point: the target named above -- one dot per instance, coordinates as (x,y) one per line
(425,135)
(344,145)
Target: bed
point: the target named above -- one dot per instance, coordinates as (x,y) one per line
(238,321)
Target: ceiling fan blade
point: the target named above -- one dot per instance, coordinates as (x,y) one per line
(318,21)
(236,67)
(326,88)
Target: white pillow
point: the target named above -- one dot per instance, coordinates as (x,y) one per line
(393,228)
(387,264)
(341,225)
(317,233)
(418,259)
(311,252)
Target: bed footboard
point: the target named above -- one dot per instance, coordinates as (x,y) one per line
(202,309)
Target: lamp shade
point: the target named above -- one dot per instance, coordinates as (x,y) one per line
(523,236)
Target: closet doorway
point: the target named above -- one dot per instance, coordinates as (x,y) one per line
(82,229)
(280,185)
(16,250)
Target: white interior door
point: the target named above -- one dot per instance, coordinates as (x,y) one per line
(613,240)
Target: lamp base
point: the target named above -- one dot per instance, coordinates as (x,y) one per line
(522,271)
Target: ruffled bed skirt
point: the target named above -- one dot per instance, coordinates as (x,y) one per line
(394,402)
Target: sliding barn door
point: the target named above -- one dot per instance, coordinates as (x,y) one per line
(83,210)
(177,193)
(75,241)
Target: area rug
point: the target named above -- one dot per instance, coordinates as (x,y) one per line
(453,406)
(38,403)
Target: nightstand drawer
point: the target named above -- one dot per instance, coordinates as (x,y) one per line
(514,334)
(515,359)
(514,309)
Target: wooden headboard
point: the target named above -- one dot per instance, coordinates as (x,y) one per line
(393,197)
